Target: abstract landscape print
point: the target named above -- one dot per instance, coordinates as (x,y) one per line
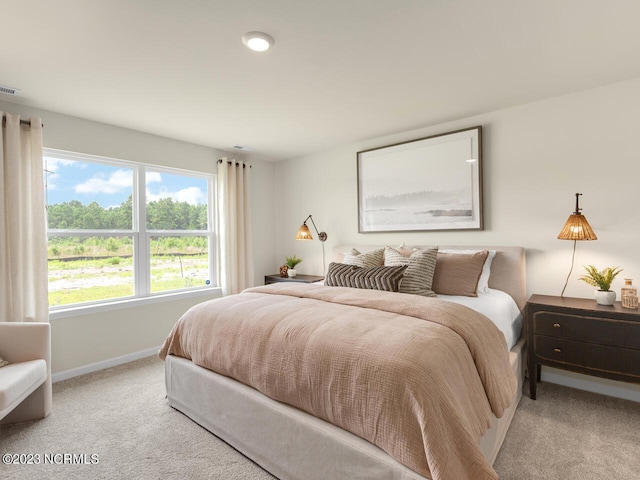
(433,183)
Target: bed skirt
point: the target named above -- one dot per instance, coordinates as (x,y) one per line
(290,443)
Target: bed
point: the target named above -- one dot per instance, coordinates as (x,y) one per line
(293,444)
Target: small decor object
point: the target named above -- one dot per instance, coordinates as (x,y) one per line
(629,295)
(284,271)
(602,279)
(291,264)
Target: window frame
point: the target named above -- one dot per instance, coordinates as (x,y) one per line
(141,237)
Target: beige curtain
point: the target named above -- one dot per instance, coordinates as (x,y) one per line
(234,222)
(23,235)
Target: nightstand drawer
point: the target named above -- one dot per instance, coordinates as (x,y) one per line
(618,333)
(596,357)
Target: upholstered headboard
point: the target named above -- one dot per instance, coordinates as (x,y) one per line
(508,269)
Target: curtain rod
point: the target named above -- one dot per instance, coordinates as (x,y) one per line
(229,162)
(22,122)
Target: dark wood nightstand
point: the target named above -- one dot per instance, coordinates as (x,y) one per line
(579,335)
(275,278)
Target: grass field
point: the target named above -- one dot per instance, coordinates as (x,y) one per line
(74,278)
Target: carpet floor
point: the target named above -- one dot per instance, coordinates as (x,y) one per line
(121,417)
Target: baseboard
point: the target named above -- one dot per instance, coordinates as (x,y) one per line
(111,362)
(604,386)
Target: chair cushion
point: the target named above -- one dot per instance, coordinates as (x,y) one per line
(18,381)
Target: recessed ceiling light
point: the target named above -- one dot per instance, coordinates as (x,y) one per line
(257,41)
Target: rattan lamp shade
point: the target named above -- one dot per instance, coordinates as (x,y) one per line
(577,228)
(304,233)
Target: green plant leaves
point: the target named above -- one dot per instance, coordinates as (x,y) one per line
(601,279)
(293,261)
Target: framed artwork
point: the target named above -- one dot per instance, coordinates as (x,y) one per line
(432,183)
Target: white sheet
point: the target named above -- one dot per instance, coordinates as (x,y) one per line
(499,307)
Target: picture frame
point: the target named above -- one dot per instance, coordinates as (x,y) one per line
(428,184)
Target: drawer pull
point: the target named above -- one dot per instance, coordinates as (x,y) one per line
(557,350)
(556,325)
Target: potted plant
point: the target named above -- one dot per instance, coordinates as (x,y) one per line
(602,280)
(291,263)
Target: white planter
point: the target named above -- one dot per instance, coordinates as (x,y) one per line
(605,297)
(292,272)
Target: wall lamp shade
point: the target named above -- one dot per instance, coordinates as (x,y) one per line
(577,227)
(305,234)
(257,41)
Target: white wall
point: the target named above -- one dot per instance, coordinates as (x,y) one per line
(536,157)
(78,341)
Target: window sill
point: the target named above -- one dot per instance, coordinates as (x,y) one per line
(74,311)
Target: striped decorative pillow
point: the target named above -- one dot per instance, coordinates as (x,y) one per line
(369,259)
(421,265)
(372,278)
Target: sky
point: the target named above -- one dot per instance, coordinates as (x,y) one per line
(110,185)
(426,165)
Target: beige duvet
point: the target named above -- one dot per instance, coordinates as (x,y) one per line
(419,377)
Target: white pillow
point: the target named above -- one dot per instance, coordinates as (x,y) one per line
(3,362)
(483,282)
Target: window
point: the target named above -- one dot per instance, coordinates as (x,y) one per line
(121,229)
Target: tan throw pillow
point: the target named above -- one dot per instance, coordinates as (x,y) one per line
(3,362)
(458,273)
(418,276)
(483,283)
(369,259)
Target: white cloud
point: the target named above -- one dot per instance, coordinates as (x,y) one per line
(52,165)
(51,180)
(118,181)
(152,177)
(191,195)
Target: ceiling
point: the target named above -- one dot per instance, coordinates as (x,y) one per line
(340,71)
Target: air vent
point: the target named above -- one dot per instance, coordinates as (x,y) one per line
(10,91)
